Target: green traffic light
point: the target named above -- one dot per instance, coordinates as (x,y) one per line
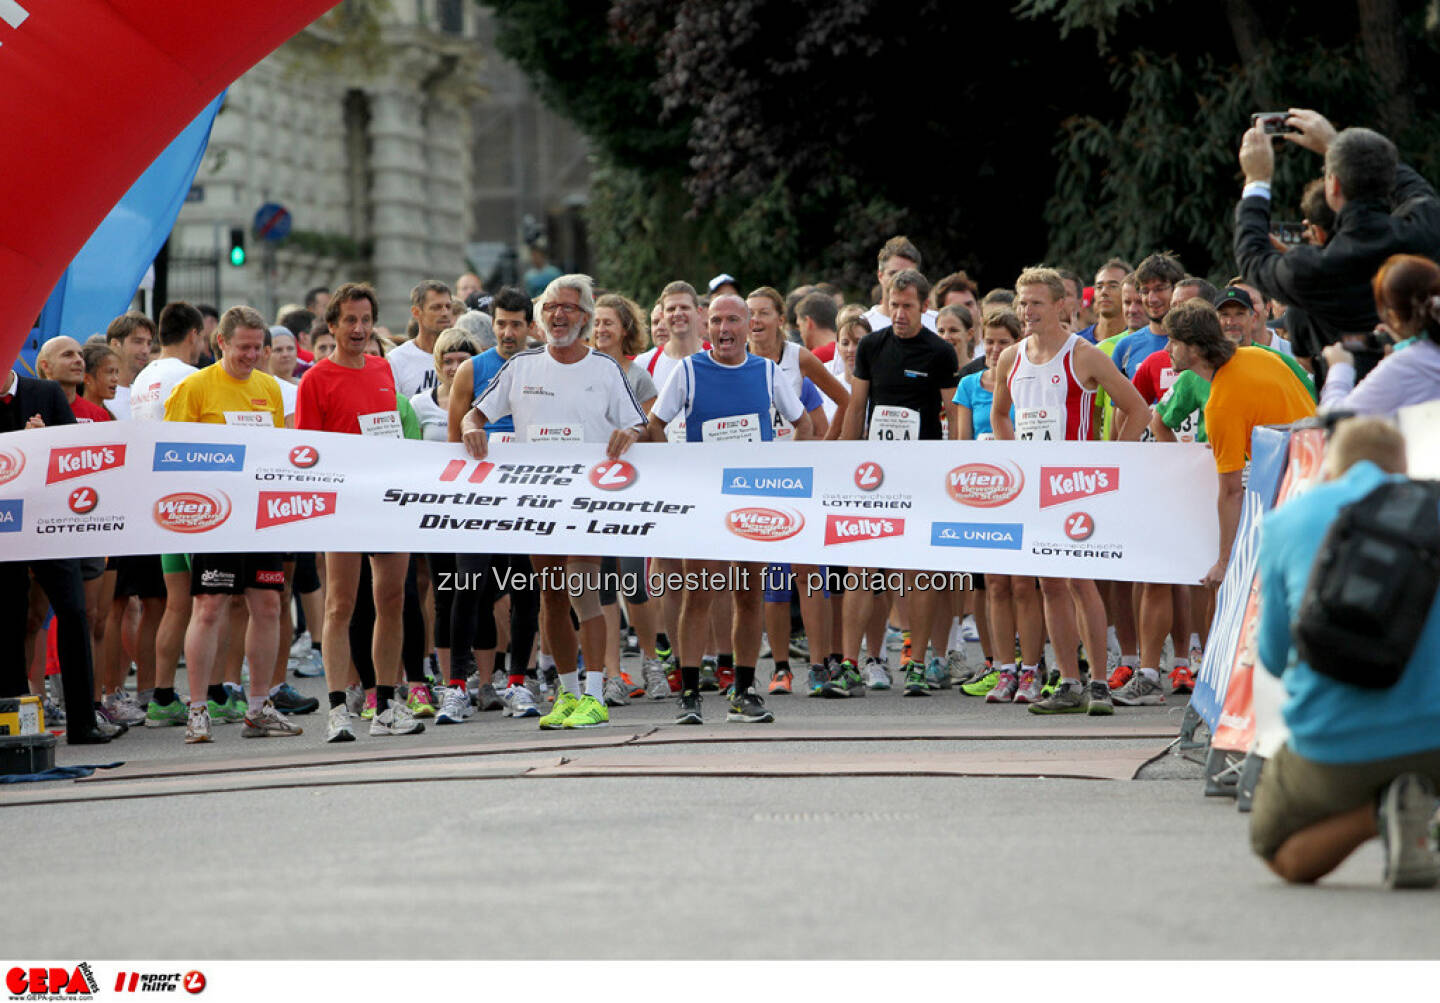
(237,256)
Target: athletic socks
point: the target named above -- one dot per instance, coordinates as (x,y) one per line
(164,695)
(545,661)
(782,667)
(383,696)
(1194,641)
(1129,660)
(337,698)
(254,703)
(689,678)
(1151,674)
(744,677)
(570,681)
(725,660)
(216,693)
(595,685)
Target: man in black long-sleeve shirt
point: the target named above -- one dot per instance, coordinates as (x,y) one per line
(27,403)
(1383,207)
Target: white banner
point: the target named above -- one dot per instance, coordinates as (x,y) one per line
(1136,512)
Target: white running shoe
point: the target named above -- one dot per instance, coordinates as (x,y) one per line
(269,723)
(454,706)
(877,675)
(519,702)
(395,720)
(197,726)
(354,700)
(338,728)
(652,674)
(617,694)
(121,708)
(968,631)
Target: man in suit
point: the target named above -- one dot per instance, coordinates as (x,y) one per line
(24,404)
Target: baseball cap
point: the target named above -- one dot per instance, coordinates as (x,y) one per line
(721,279)
(1233,294)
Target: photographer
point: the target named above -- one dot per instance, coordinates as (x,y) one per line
(1382,208)
(1359,762)
(1407,297)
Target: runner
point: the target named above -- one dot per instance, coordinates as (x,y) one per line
(1050,379)
(708,388)
(897,255)
(544,389)
(233,392)
(413,363)
(353,393)
(905,380)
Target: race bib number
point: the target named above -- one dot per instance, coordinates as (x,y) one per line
(250,419)
(675,431)
(1190,427)
(385,424)
(739,428)
(556,433)
(781,425)
(1039,424)
(890,423)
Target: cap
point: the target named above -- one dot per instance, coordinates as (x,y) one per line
(722,279)
(1234,294)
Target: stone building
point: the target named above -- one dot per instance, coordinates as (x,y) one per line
(404,147)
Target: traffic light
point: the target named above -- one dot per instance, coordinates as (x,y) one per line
(237,246)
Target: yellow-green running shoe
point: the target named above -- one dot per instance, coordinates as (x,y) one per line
(588,713)
(565,705)
(983,685)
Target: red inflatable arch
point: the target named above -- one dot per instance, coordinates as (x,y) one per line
(91,91)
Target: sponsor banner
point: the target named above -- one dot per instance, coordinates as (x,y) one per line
(1122,511)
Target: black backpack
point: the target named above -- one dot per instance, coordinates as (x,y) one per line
(1372,586)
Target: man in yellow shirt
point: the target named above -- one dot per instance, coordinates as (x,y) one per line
(1248,387)
(233,392)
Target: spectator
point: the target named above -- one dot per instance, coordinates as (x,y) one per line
(1349,748)
(1382,208)
(1317,216)
(1407,298)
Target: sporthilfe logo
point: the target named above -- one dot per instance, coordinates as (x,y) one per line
(985,485)
(454,468)
(12,462)
(277,508)
(613,475)
(1059,485)
(765,525)
(192,511)
(78,461)
(869,476)
(850,528)
(775,482)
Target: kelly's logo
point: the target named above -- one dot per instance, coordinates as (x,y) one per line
(277,508)
(850,528)
(1059,485)
(79,461)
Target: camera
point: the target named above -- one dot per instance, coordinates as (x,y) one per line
(1372,342)
(1273,122)
(1290,234)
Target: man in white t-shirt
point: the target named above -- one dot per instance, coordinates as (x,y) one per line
(130,334)
(413,363)
(180,326)
(565,392)
(898,255)
(680,307)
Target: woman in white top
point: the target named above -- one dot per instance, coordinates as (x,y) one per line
(282,355)
(767,312)
(453,349)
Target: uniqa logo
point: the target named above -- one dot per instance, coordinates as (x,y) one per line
(985,485)
(192,511)
(764,525)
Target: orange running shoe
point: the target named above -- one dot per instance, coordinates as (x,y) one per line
(1182,680)
(1120,677)
(782,681)
(636,692)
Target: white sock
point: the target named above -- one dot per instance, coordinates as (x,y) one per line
(546,661)
(1151,674)
(595,685)
(274,690)
(1008,667)
(1129,660)
(570,681)
(1194,641)
(1111,638)
(1029,668)
(254,702)
(1179,663)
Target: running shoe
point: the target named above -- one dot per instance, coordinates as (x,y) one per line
(565,705)
(420,702)
(877,674)
(157,715)
(633,691)
(120,708)
(958,666)
(1004,689)
(665,655)
(968,630)
(368,714)
(268,722)
(915,685)
(301,644)
(782,681)
(220,712)
(454,706)
(288,700)
(1120,677)
(893,638)
(308,665)
(1052,681)
(197,724)
(689,708)
(746,706)
(1030,688)
(520,702)
(725,677)
(617,693)
(337,727)
(981,686)
(815,682)
(1098,701)
(55,714)
(708,681)
(1182,680)
(1068,698)
(588,713)
(1140,691)
(1197,654)
(799,647)
(109,728)
(657,687)
(354,699)
(907,650)
(1407,811)
(937,674)
(845,682)
(395,720)
(486,698)
(237,706)
(674,678)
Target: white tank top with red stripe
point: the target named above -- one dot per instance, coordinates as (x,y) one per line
(1050,403)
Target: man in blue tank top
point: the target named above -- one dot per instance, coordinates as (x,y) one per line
(726,395)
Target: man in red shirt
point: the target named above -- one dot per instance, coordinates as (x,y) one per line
(354,393)
(62,360)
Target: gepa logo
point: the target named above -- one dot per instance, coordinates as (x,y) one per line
(1059,485)
(277,508)
(850,528)
(61,983)
(774,482)
(79,461)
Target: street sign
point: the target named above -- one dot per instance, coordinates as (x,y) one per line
(272,222)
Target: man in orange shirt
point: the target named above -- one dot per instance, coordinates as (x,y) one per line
(1248,387)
